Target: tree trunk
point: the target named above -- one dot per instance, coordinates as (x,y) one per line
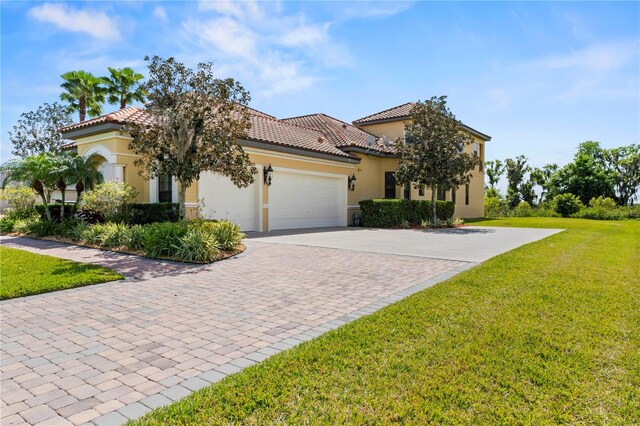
(62,187)
(182,196)
(434,216)
(123,103)
(82,107)
(79,190)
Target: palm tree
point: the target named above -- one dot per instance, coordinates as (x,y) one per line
(41,172)
(123,87)
(83,171)
(84,93)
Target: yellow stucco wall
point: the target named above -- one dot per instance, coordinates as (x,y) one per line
(394,129)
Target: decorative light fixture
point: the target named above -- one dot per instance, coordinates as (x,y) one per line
(268,174)
(352,182)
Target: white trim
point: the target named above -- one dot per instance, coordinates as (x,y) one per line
(191,204)
(354,207)
(305,172)
(153,190)
(103,151)
(91,139)
(297,157)
(174,190)
(260,184)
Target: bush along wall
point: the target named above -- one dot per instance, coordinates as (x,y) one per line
(142,213)
(54,209)
(383,213)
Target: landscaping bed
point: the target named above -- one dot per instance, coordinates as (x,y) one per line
(24,274)
(548,333)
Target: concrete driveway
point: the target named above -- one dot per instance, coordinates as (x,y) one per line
(466,244)
(107,353)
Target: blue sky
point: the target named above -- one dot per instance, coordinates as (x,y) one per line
(538,77)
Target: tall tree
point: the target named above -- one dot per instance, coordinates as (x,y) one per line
(624,165)
(586,176)
(123,87)
(82,172)
(430,153)
(542,178)
(516,170)
(195,121)
(41,172)
(84,92)
(494,170)
(37,131)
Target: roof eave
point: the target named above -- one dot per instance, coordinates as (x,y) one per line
(367,151)
(270,146)
(471,130)
(90,130)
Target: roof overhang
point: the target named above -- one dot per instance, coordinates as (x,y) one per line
(366,151)
(471,130)
(91,130)
(296,151)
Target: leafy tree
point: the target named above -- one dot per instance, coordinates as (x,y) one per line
(196,121)
(80,171)
(430,153)
(494,170)
(516,170)
(567,204)
(41,172)
(587,176)
(37,131)
(624,165)
(84,92)
(123,87)
(542,178)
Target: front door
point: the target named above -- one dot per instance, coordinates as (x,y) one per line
(389,184)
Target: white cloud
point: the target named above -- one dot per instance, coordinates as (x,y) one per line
(224,34)
(597,58)
(95,23)
(306,35)
(160,13)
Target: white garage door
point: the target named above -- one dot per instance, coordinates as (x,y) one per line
(223,200)
(299,200)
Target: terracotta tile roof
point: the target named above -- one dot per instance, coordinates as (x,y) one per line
(399,111)
(402,112)
(339,133)
(264,128)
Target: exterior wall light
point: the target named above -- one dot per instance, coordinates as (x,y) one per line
(268,174)
(352,182)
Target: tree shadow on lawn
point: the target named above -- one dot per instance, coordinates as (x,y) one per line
(129,265)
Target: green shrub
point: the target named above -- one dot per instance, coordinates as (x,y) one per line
(141,214)
(567,204)
(383,213)
(136,238)
(601,202)
(7,223)
(196,245)
(227,234)
(21,198)
(55,210)
(114,234)
(523,209)
(22,226)
(495,207)
(43,228)
(160,238)
(110,199)
(92,234)
(73,229)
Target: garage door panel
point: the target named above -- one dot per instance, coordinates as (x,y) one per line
(299,200)
(223,200)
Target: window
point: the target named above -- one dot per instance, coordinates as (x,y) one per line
(460,148)
(442,194)
(482,157)
(453,195)
(421,191)
(407,191)
(389,185)
(164,189)
(466,194)
(475,149)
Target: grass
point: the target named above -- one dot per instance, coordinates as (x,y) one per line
(548,333)
(23,273)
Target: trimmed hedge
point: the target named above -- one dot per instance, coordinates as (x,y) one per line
(384,213)
(143,213)
(54,209)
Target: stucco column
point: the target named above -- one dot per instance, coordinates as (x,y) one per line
(118,172)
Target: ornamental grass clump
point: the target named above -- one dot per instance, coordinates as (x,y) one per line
(197,245)
(114,234)
(227,234)
(160,238)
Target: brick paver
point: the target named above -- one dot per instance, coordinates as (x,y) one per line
(113,351)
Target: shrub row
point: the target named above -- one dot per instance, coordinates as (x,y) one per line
(196,241)
(383,213)
(143,213)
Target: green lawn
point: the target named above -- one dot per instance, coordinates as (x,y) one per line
(546,334)
(23,273)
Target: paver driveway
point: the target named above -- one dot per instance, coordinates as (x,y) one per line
(110,352)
